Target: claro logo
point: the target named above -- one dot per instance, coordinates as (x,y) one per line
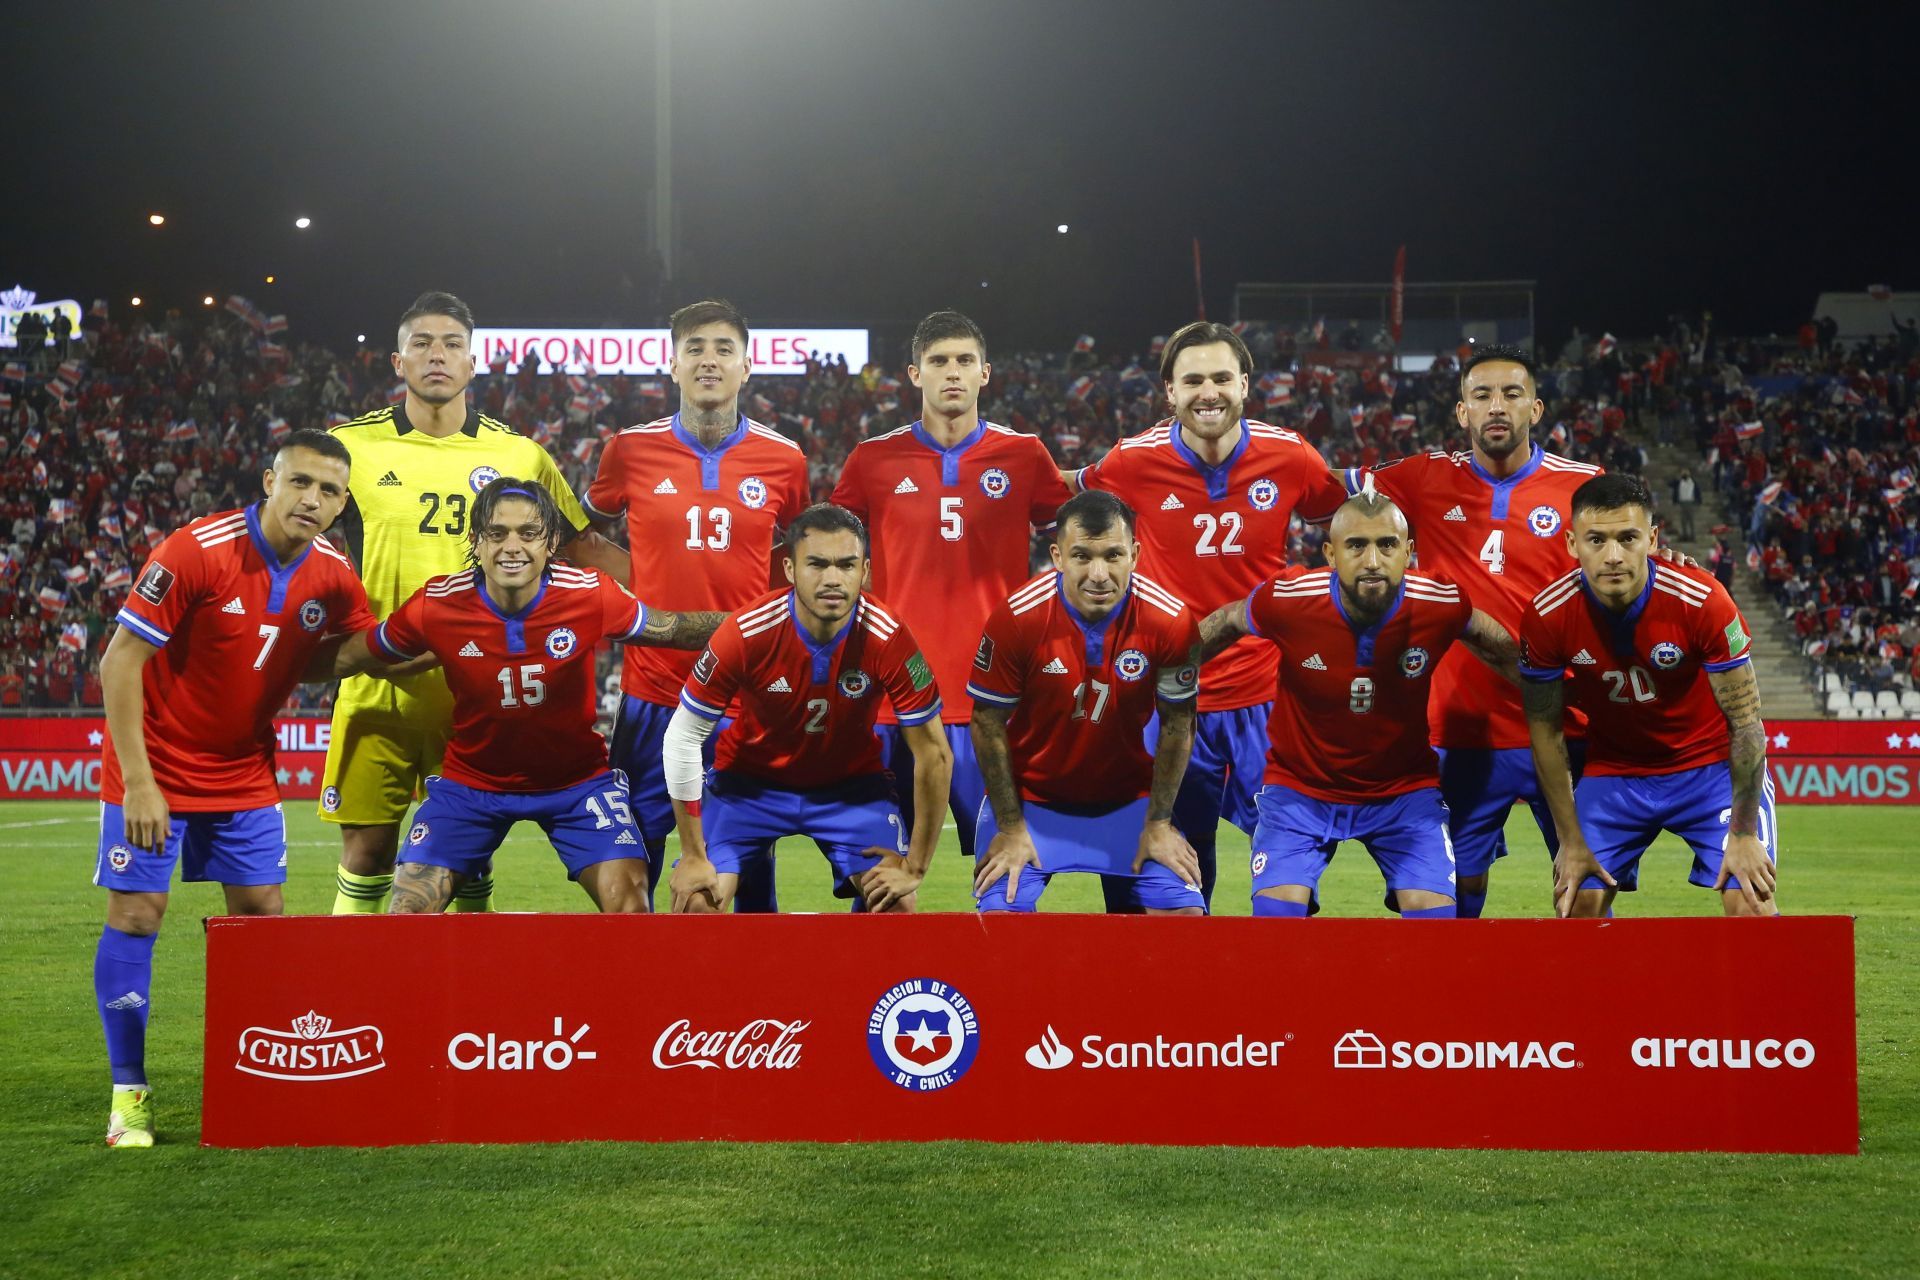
(1738,1055)
(471,1051)
(310,1050)
(1363,1050)
(765,1043)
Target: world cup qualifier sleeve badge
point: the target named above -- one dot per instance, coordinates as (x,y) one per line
(923,1035)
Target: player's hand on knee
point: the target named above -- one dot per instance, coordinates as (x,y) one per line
(889,886)
(1162,842)
(694,886)
(144,811)
(1745,859)
(1571,869)
(1008,854)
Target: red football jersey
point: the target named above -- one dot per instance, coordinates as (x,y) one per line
(1350,722)
(235,629)
(1640,676)
(1212,534)
(1508,539)
(1082,695)
(701,523)
(951,532)
(806,709)
(523,684)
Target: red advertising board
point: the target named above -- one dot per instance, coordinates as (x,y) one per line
(1582,1035)
(58,757)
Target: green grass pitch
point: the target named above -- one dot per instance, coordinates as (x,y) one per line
(69,1206)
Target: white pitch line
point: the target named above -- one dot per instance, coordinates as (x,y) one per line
(48,822)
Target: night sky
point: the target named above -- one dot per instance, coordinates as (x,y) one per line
(862,163)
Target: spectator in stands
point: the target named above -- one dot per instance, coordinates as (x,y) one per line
(1686,500)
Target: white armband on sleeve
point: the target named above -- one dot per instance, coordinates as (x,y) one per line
(680,753)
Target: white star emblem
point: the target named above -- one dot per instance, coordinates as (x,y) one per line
(282,775)
(1893,741)
(1780,740)
(94,738)
(922,1036)
(305,776)
(1913,740)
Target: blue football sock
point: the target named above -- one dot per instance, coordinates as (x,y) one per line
(122,977)
(1471,905)
(1447,912)
(1265,906)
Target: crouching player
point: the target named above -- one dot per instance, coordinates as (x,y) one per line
(516,635)
(221,625)
(1657,656)
(809,667)
(1348,757)
(1068,674)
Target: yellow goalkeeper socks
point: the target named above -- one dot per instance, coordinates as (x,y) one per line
(475,895)
(361,895)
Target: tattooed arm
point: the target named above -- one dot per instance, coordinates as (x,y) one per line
(1159,840)
(666,629)
(420,888)
(1493,645)
(1011,849)
(1222,627)
(1738,693)
(1546,704)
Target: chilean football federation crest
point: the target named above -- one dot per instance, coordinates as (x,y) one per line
(1130,665)
(753,492)
(418,833)
(923,1035)
(330,799)
(995,483)
(313,615)
(481,477)
(119,857)
(1262,494)
(855,683)
(1544,521)
(1666,655)
(561,642)
(1413,662)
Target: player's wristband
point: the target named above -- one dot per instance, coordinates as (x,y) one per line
(692,807)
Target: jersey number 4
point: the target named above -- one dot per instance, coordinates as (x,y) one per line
(1493,552)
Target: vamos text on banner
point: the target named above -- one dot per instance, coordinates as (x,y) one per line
(1044,1028)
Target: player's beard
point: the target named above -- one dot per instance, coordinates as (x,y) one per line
(1517,439)
(1231,413)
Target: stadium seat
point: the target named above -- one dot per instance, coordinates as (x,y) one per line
(1887,700)
(1910,700)
(1863,702)
(1837,702)
(1849,713)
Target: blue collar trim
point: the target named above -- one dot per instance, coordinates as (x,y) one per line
(1503,486)
(1364,640)
(1093,634)
(949,456)
(280,574)
(709,458)
(1215,477)
(515,623)
(822,652)
(1622,624)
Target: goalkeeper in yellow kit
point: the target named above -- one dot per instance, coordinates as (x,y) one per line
(416,468)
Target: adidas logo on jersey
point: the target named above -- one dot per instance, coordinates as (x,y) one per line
(131,1000)
(1455,514)
(780,685)
(1172,503)
(233,606)
(906,485)
(1055,668)
(625,837)
(471,650)
(1583,659)
(388,479)
(665,486)
(1314,663)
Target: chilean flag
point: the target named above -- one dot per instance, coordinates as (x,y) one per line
(1748,430)
(51,602)
(1081,387)
(119,578)
(1083,343)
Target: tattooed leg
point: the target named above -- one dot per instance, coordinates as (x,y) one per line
(421,888)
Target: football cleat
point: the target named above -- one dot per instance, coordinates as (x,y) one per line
(131,1122)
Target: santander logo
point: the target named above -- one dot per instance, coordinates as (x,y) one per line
(1051,1053)
(766,1043)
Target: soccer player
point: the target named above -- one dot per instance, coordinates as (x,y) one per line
(1657,655)
(219,628)
(951,502)
(516,635)
(809,667)
(1214,496)
(706,493)
(1070,669)
(419,465)
(1349,758)
(1494,518)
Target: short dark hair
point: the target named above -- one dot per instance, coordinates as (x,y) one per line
(709,311)
(500,488)
(435,303)
(1611,492)
(1203,333)
(825,517)
(1502,353)
(1095,512)
(324,443)
(943,325)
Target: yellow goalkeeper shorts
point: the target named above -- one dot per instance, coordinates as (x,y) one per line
(385,741)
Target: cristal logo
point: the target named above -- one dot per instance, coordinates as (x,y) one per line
(1364,1050)
(1738,1055)
(310,1050)
(471,1051)
(1051,1053)
(764,1043)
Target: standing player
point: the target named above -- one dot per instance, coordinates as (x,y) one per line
(1349,758)
(420,463)
(1214,496)
(808,666)
(1657,656)
(951,502)
(706,493)
(1495,518)
(1069,671)
(219,628)
(516,635)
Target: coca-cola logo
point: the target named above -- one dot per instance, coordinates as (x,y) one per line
(310,1050)
(766,1043)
